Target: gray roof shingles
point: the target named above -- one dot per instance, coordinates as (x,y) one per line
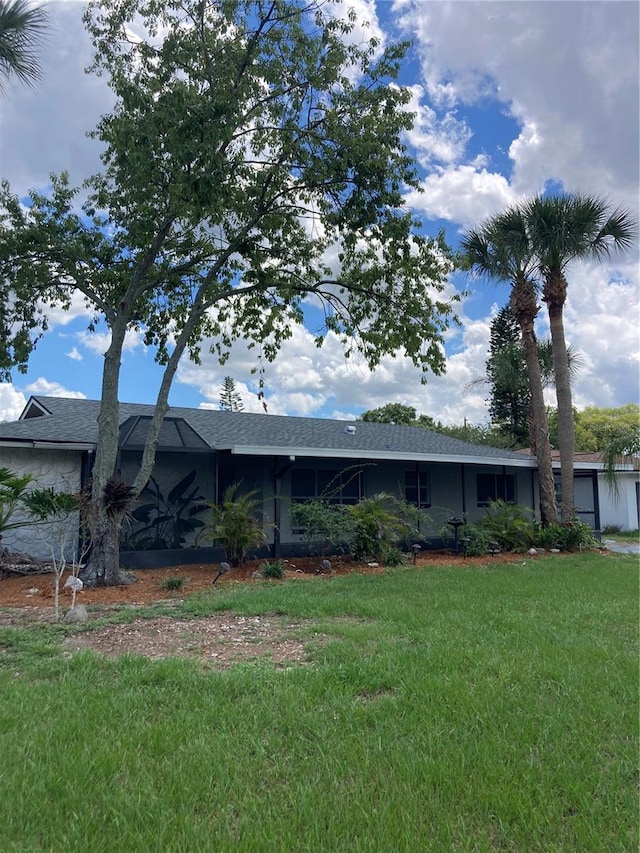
(75,421)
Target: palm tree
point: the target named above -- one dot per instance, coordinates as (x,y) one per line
(21,28)
(500,248)
(563,229)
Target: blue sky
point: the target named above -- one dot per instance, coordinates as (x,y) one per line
(511,97)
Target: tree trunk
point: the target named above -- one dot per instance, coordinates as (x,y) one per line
(554,295)
(524,304)
(103,567)
(103,564)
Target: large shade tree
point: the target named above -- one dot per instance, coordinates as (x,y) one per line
(563,229)
(253,162)
(22,28)
(500,248)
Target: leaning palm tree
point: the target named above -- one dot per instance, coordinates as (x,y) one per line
(500,249)
(22,26)
(563,229)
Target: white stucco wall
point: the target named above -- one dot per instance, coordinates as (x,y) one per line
(58,469)
(620,509)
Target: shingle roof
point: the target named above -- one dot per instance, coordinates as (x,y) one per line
(74,421)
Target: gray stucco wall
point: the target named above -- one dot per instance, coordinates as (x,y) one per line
(57,469)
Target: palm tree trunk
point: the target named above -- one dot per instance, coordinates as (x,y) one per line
(524,305)
(566,436)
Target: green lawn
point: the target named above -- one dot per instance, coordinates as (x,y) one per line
(452,709)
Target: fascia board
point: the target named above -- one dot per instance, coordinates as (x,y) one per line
(46,445)
(381,455)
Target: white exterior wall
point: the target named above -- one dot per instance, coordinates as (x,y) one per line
(620,509)
(57,469)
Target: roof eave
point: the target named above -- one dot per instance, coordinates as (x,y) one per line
(381,455)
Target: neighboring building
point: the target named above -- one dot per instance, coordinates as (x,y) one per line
(285,459)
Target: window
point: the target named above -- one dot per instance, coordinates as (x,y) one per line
(330,486)
(493,487)
(417,488)
(336,487)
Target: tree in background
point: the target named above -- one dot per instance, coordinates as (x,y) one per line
(510,397)
(22,28)
(230,400)
(563,229)
(249,143)
(391,413)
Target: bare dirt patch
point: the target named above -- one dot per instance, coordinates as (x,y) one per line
(219,640)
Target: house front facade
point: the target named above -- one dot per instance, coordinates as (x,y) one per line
(283,460)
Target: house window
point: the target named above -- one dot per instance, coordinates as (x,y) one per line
(417,488)
(335,487)
(493,487)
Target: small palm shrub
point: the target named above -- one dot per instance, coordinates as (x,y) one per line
(510,525)
(235,525)
(379,525)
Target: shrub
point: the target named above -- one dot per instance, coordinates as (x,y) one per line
(510,525)
(611,529)
(475,540)
(327,529)
(234,524)
(378,524)
(572,536)
(273,569)
(173,583)
(392,557)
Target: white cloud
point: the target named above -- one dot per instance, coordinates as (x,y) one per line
(568,72)
(74,355)
(43,130)
(98,342)
(45,388)
(12,402)
(462,194)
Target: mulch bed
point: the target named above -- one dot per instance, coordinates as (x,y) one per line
(36,589)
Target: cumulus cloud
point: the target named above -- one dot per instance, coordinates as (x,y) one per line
(462,194)
(568,72)
(43,130)
(12,402)
(74,355)
(46,388)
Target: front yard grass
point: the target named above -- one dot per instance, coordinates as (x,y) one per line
(452,709)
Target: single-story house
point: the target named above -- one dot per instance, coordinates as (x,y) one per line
(286,460)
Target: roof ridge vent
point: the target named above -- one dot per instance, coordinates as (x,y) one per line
(350,429)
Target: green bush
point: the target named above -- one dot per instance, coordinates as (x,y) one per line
(475,540)
(273,569)
(327,529)
(392,557)
(510,525)
(173,583)
(572,536)
(611,529)
(380,523)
